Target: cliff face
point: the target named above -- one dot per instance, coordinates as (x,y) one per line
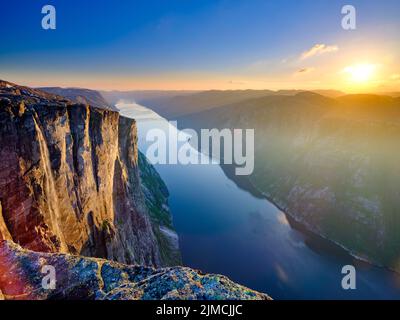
(89,279)
(156,198)
(69,179)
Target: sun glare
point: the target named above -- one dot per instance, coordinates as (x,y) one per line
(360,73)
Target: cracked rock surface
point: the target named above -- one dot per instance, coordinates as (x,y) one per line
(98,279)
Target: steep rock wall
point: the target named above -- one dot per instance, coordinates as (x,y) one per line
(69,179)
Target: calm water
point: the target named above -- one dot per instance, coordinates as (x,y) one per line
(224,229)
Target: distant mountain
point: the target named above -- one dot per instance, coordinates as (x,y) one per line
(172,107)
(251,106)
(113,97)
(330,163)
(177,106)
(330,93)
(326,93)
(80,95)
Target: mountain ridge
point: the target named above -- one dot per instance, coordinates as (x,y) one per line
(81,95)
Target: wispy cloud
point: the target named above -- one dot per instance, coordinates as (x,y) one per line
(318,49)
(304,71)
(237,82)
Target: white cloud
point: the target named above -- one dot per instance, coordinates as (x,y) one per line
(318,49)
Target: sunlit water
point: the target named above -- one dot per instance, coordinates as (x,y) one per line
(224,229)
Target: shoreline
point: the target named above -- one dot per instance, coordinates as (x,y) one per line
(246,184)
(308,228)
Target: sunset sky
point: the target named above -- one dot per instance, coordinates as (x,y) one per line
(196,45)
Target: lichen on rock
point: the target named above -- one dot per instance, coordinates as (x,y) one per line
(97,279)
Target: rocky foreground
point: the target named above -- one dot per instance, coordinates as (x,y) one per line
(97,279)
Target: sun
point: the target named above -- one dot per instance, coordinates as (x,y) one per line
(360,73)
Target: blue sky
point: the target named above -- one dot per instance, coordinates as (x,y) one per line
(188,44)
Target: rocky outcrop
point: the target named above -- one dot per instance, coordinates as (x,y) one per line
(69,179)
(81,95)
(96,279)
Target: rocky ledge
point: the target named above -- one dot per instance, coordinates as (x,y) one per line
(97,279)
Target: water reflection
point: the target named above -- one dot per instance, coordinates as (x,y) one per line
(225,229)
